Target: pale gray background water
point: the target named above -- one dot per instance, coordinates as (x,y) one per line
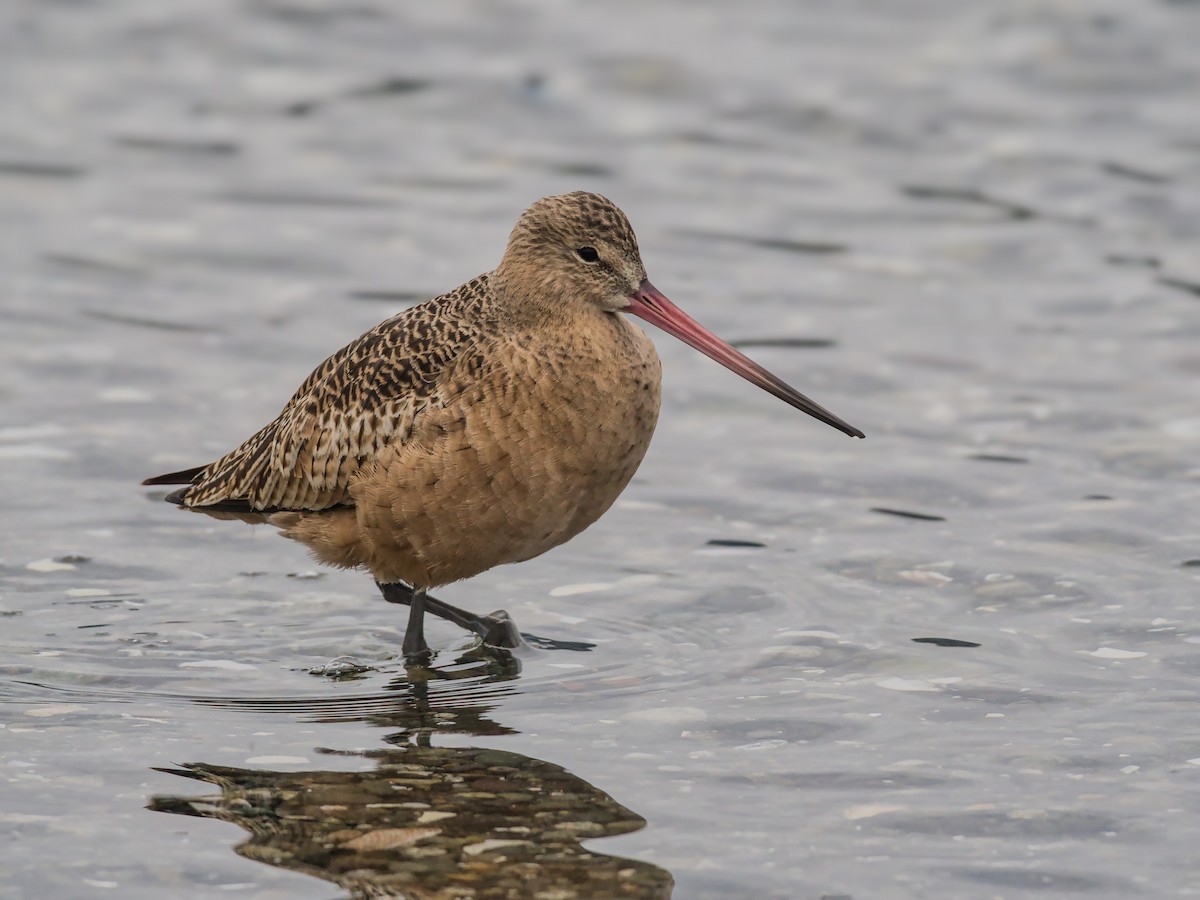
(991,209)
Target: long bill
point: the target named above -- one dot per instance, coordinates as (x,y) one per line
(649,303)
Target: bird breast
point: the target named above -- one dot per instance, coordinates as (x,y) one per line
(533,439)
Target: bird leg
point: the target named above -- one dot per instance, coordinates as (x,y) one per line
(495,630)
(416,650)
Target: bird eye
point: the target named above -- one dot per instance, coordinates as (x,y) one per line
(588,254)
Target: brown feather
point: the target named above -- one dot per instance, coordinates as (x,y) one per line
(352,405)
(482,427)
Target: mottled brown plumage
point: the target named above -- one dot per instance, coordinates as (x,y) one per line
(482,427)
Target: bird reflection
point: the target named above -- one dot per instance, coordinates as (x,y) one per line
(436,823)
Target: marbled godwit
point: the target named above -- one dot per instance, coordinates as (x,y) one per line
(482,427)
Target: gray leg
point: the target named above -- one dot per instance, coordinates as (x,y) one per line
(495,630)
(416,650)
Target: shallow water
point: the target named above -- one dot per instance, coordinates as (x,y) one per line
(969,229)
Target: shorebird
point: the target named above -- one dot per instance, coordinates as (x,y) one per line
(482,427)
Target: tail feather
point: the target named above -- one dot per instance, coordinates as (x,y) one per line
(225,506)
(200,480)
(236,506)
(177,497)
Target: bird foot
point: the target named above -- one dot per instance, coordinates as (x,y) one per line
(545,643)
(418,657)
(497,629)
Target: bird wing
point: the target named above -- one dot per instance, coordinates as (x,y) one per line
(361,399)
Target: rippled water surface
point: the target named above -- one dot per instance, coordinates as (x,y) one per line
(970,229)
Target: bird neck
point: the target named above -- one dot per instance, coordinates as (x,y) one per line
(531,296)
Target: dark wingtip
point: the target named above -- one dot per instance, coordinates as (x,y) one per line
(185,476)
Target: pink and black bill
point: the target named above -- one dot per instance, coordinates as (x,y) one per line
(650,304)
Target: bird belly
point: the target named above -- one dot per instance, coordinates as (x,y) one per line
(522,458)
